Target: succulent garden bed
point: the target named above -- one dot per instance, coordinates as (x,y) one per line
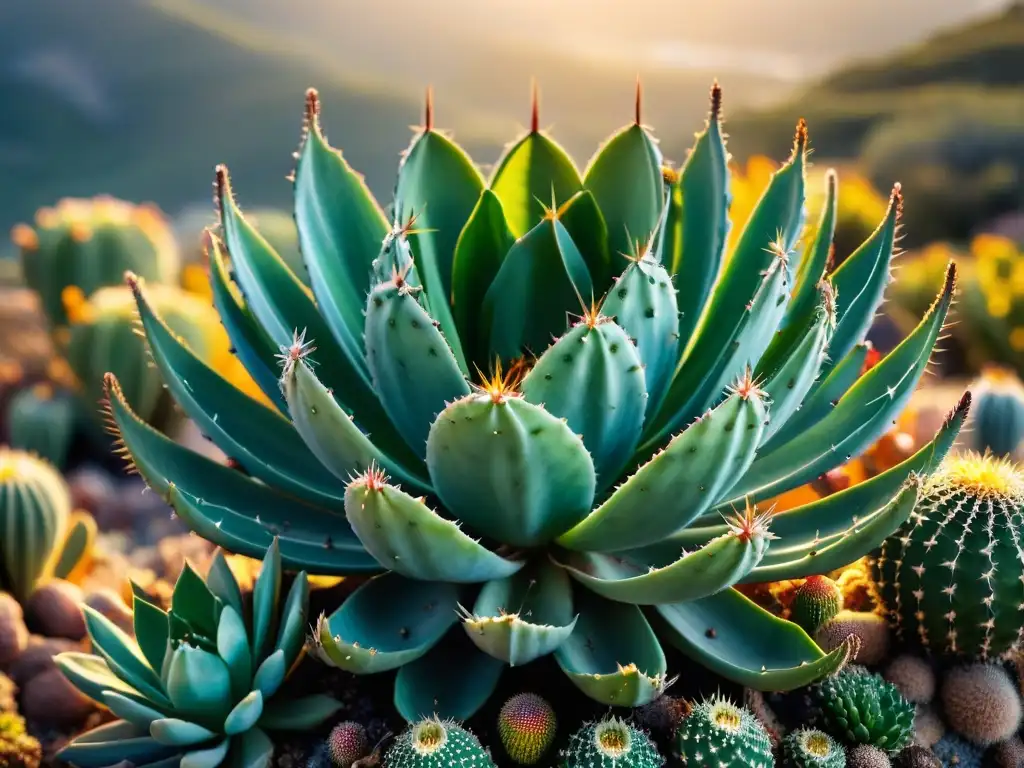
(551,468)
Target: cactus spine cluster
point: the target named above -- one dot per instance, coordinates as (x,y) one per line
(859,707)
(998,412)
(811,748)
(610,743)
(816,601)
(719,734)
(951,576)
(437,743)
(527,726)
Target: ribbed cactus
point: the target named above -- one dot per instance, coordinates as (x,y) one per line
(816,601)
(951,577)
(811,748)
(610,743)
(89,244)
(40,536)
(532,509)
(436,743)
(41,420)
(720,734)
(859,707)
(199,685)
(998,414)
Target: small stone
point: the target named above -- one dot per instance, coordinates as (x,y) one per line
(38,657)
(13,632)
(49,698)
(54,610)
(110,604)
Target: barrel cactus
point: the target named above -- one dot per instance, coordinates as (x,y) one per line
(610,743)
(200,684)
(719,734)
(41,420)
(515,497)
(951,577)
(998,413)
(811,748)
(88,244)
(436,743)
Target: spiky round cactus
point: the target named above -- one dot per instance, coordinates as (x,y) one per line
(527,727)
(859,707)
(998,412)
(951,576)
(17,748)
(916,756)
(981,703)
(719,734)
(610,743)
(347,743)
(436,743)
(914,677)
(816,601)
(811,748)
(867,756)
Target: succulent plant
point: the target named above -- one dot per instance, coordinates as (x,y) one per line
(200,684)
(18,749)
(811,748)
(981,703)
(347,743)
(527,726)
(610,743)
(859,707)
(41,538)
(88,244)
(816,601)
(41,420)
(998,412)
(590,481)
(436,743)
(719,734)
(951,576)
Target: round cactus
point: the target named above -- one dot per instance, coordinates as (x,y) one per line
(41,421)
(436,743)
(871,629)
(811,748)
(981,703)
(997,412)
(866,756)
(916,756)
(914,677)
(720,734)
(527,726)
(17,748)
(951,576)
(816,601)
(928,726)
(347,743)
(610,743)
(863,708)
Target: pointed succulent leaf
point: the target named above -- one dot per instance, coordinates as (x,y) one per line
(340,230)
(737,639)
(427,687)
(257,437)
(93,677)
(209,757)
(222,583)
(265,596)
(862,415)
(387,622)
(252,749)
(233,648)
(151,631)
(198,684)
(643,301)
(542,278)
(593,378)
(76,545)
(480,449)
(123,656)
(585,224)
(531,172)
(716,566)
(522,617)
(113,742)
(179,733)
(625,179)
(331,434)
(395,256)
(270,674)
(127,709)
(479,253)
(414,370)
(698,239)
(298,714)
(815,261)
(291,636)
(194,603)
(693,472)
(409,538)
(612,655)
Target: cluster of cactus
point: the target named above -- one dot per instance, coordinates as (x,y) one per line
(951,576)
(42,537)
(41,419)
(719,734)
(436,743)
(811,748)
(581,479)
(18,749)
(200,684)
(527,726)
(859,707)
(997,416)
(610,743)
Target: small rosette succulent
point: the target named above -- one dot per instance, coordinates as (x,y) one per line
(570,501)
(859,707)
(199,685)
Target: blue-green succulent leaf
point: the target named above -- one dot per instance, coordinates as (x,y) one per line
(199,685)
(815,261)
(585,224)
(151,631)
(291,635)
(298,714)
(270,675)
(206,758)
(123,656)
(93,677)
(245,714)
(132,711)
(233,647)
(179,733)
(252,749)
(223,584)
(194,603)
(110,743)
(265,596)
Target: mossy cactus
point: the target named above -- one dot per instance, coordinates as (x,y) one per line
(862,708)
(41,420)
(89,244)
(436,743)
(951,576)
(610,743)
(811,748)
(719,734)
(17,748)
(997,414)
(527,726)
(347,743)
(981,703)
(816,601)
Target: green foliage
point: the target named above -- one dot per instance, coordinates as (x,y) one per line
(436,743)
(719,734)
(816,601)
(35,517)
(200,684)
(950,577)
(527,726)
(18,749)
(41,420)
(610,743)
(998,413)
(811,748)
(859,707)
(497,514)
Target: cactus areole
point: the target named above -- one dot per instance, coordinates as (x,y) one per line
(546,410)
